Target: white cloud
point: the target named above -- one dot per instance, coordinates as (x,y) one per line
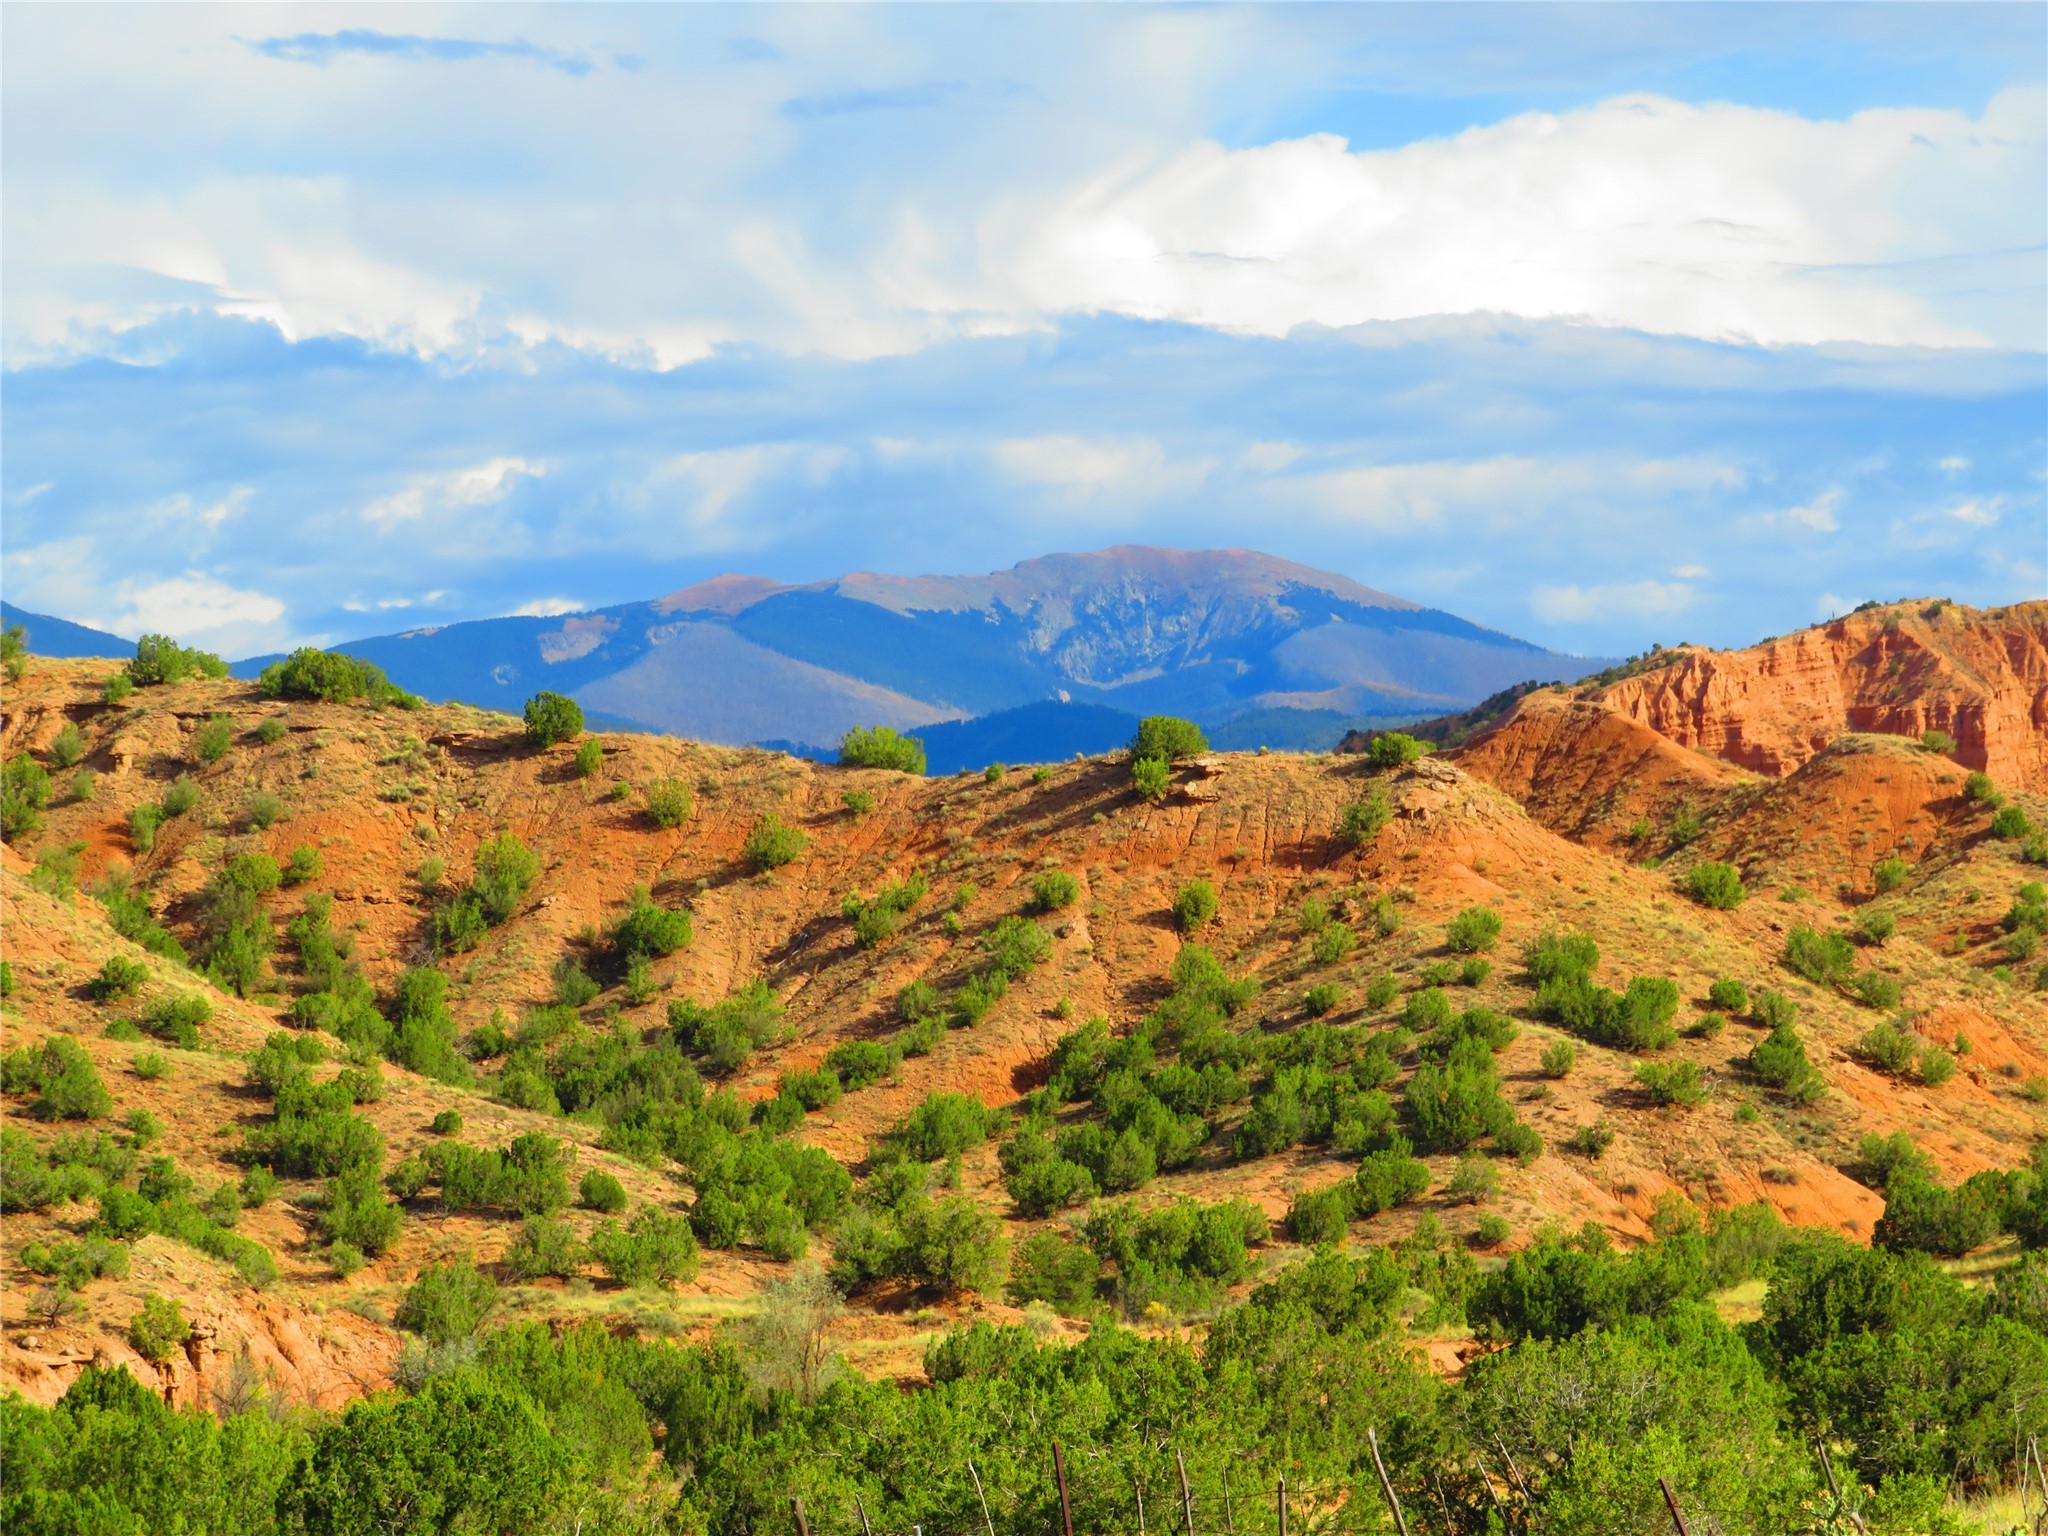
(1815,516)
(477,486)
(1829,604)
(1690,572)
(1718,221)
(1954,465)
(1507,491)
(193,605)
(1269,458)
(1082,467)
(1978,512)
(1626,599)
(547,608)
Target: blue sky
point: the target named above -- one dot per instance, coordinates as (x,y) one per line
(1601,325)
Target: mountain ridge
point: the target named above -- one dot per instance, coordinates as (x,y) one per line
(1210,634)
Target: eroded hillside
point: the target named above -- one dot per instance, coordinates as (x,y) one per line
(832,1020)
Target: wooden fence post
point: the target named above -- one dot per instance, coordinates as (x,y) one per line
(1282,1495)
(1387,1483)
(1187,1499)
(1059,1471)
(1138,1491)
(796,1507)
(1671,1503)
(865,1528)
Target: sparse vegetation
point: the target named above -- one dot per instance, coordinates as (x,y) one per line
(1715,885)
(552,718)
(772,844)
(882,746)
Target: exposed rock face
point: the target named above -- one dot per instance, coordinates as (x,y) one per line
(1981,676)
(1589,771)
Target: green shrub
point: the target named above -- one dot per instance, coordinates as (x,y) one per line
(589,757)
(1729,996)
(330,676)
(653,1250)
(447,1122)
(1386,1179)
(882,746)
(1672,1082)
(1889,1049)
(118,977)
(1053,889)
(262,809)
(858,801)
(1521,1141)
(771,844)
(650,930)
(258,1188)
(304,865)
(1320,1216)
(24,792)
(84,785)
(1473,931)
(1474,1182)
(1016,944)
(1332,944)
(668,802)
(1361,821)
(270,730)
(67,748)
(601,1191)
(142,824)
(573,985)
(1392,749)
(158,1330)
(545,1246)
(1715,885)
(1938,741)
(1874,926)
(1592,1141)
(61,1075)
(1779,1060)
(941,1125)
(1936,1066)
(1977,786)
(160,660)
(447,1302)
(1823,958)
(116,689)
(180,796)
(1150,776)
(1875,990)
(1382,990)
(212,740)
(151,1066)
(1559,1057)
(1321,998)
(1167,738)
(1491,1230)
(2010,823)
(993,773)
(1050,1269)
(552,718)
(1194,904)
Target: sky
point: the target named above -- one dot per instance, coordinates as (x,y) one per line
(1600,325)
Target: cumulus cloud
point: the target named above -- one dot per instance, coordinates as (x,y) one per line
(547,608)
(195,606)
(477,486)
(1630,599)
(1815,516)
(1718,221)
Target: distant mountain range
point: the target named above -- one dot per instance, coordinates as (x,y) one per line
(61,637)
(1055,656)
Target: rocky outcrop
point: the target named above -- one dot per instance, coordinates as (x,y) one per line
(1979,675)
